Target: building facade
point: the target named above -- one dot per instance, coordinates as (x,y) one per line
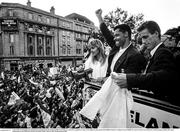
(32,36)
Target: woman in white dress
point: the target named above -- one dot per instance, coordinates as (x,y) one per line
(97,59)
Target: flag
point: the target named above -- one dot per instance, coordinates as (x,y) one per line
(46,118)
(59,93)
(53,71)
(13,98)
(2,75)
(28,122)
(19,79)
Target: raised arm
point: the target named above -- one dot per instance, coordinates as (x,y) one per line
(105,31)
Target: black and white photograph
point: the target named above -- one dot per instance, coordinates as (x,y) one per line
(98,65)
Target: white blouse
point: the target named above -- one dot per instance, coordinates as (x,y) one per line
(98,69)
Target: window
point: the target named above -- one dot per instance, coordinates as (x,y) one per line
(30,16)
(78,51)
(64,49)
(30,40)
(64,33)
(48,51)
(48,20)
(83,36)
(12,38)
(10,12)
(40,18)
(64,24)
(63,40)
(39,40)
(48,41)
(68,40)
(68,49)
(40,50)
(68,33)
(78,35)
(78,27)
(30,44)
(31,50)
(12,50)
(40,46)
(68,25)
(78,48)
(85,29)
(48,46)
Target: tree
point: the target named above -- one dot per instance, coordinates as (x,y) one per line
(119,16)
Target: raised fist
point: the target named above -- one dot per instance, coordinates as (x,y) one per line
(98,12)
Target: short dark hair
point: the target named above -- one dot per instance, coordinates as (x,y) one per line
(174,32)
(124,28)
(151,26)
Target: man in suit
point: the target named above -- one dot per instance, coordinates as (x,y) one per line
(161,75)
(123,57)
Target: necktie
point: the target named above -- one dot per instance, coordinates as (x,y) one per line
(149,58)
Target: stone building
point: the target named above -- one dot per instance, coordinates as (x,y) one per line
(32,36)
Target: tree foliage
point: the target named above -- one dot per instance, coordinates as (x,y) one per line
(120,16)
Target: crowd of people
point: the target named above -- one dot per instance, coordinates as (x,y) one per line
(36,99)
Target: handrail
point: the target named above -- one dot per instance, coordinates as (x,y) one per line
(145,97)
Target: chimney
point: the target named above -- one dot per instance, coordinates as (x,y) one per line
(52,10)
(29,3)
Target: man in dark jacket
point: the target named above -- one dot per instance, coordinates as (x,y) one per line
(160,75)
(123,57)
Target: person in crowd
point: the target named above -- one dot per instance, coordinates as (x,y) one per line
(123,57)
(171,37)
(97,60)
(160,75)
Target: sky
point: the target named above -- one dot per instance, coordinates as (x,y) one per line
(165,12)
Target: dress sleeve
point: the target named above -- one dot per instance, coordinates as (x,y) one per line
(87,63)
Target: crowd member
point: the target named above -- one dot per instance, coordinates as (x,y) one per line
(171,37)
(97,60)
(160,75)
(123,57)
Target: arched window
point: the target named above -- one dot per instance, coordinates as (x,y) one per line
(31,50)
(48,50)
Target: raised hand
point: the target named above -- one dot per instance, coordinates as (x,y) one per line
(98,12)
(120,79)
(99,15)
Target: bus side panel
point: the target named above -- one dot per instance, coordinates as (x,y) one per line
(151,117)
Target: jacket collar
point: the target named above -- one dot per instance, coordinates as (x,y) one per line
(122,57)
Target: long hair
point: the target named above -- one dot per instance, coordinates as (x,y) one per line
(101,56)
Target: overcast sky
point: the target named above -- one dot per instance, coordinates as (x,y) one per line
(165,12)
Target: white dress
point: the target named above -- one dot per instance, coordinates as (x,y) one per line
(98,69)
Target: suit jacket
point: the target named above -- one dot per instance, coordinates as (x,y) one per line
(161,77)
(132,61)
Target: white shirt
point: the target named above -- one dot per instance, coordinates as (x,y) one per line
(116,57)
(152,53)
(98,69)
(154,50)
